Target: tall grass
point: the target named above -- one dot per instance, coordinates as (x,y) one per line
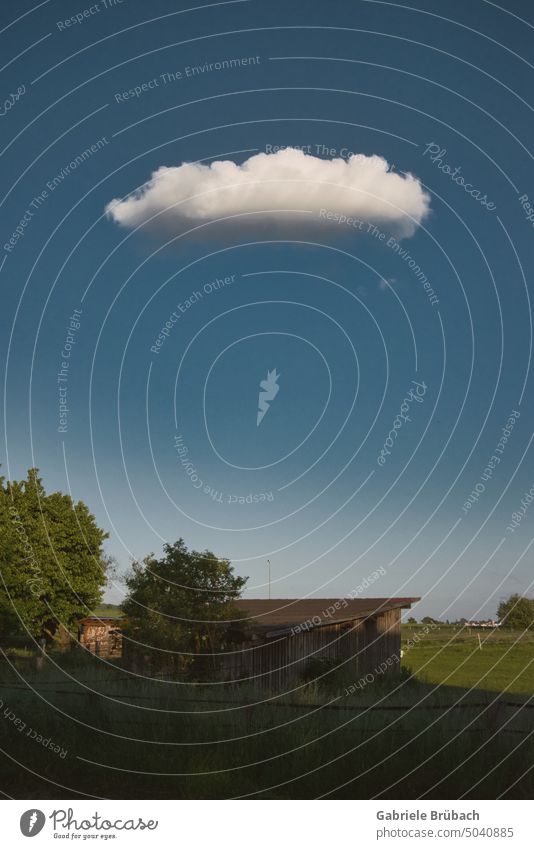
(127,737)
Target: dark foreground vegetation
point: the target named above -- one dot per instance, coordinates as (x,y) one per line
(86,729)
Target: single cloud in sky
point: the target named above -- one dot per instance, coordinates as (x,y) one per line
(286,186)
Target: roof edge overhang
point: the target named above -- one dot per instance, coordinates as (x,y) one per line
(291,630)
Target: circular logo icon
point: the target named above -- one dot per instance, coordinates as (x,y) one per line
(32,822)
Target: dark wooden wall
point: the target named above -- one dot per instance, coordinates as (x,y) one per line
(358,648)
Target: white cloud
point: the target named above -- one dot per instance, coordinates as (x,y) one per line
(277,187)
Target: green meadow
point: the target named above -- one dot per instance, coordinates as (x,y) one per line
(501,661)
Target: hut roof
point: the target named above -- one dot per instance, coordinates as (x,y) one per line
(103,620)
(287,613)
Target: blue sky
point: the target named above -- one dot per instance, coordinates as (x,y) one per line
(338,312)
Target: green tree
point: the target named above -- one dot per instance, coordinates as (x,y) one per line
(517,612)
(52,564)
(177,602)
(411,620)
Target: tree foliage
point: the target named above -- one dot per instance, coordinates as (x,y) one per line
(517,612)
(52,564)
(177,602)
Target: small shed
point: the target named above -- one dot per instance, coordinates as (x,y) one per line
(281,637)
(101,636)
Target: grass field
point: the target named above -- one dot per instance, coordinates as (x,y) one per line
(459,727)
(446,655)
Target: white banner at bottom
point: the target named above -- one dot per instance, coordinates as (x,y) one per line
(264,824)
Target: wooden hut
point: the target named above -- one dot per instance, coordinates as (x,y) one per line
(282,636)
(101,636)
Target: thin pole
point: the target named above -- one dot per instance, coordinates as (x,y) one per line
(269,565)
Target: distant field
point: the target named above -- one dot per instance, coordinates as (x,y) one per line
(448,656)
(107,611)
